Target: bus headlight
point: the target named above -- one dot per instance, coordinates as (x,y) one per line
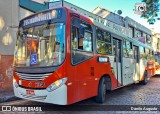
(56,84)
(15,83)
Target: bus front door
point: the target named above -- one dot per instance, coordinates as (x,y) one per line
(117,51)
(136,76)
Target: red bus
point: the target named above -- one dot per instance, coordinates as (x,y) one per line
(63,57)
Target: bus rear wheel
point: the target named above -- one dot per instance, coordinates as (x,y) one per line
(145,81)
(101,96)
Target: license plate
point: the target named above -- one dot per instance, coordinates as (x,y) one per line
(30,92)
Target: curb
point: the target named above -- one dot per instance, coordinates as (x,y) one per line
(8,98)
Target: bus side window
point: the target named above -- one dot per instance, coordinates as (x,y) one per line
(74,36)
(153,56)
(147,53)
(150,55)
(103,42)
(81,43)
(124,49)
(87,41)
(82,47)
(141,52)
(127,49)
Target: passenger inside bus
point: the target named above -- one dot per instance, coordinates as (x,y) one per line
(80,43)
(85,43)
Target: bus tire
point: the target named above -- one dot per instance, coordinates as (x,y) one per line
(101,96)
(145,81)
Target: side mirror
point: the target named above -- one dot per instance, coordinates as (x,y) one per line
(81,32)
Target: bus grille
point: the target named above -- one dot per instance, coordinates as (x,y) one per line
(33,76)
(33,97)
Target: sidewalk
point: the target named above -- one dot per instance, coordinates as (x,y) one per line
(7,96)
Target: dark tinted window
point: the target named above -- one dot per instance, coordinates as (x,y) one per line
(103,42)
(82,48)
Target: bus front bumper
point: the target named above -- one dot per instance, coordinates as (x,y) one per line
(57,96)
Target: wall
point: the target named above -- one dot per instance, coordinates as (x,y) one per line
(24,13)
(137,25)
(8,23)
(8,28)
(10,14)
(11,11)
(126,22)
(6,72)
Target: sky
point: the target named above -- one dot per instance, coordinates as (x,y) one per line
(126,6)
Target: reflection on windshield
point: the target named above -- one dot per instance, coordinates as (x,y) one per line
(41,46)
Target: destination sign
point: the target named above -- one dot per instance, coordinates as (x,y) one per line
(42,17)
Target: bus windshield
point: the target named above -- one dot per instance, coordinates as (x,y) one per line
(40,46)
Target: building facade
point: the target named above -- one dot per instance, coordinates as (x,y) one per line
(9,18)
(136,30)
(113,17)
(11,12)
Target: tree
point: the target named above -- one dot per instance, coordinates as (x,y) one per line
(151,14)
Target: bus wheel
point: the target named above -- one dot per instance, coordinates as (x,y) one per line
(101,97)
(145,81)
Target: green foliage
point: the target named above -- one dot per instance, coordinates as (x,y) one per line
(152,11)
